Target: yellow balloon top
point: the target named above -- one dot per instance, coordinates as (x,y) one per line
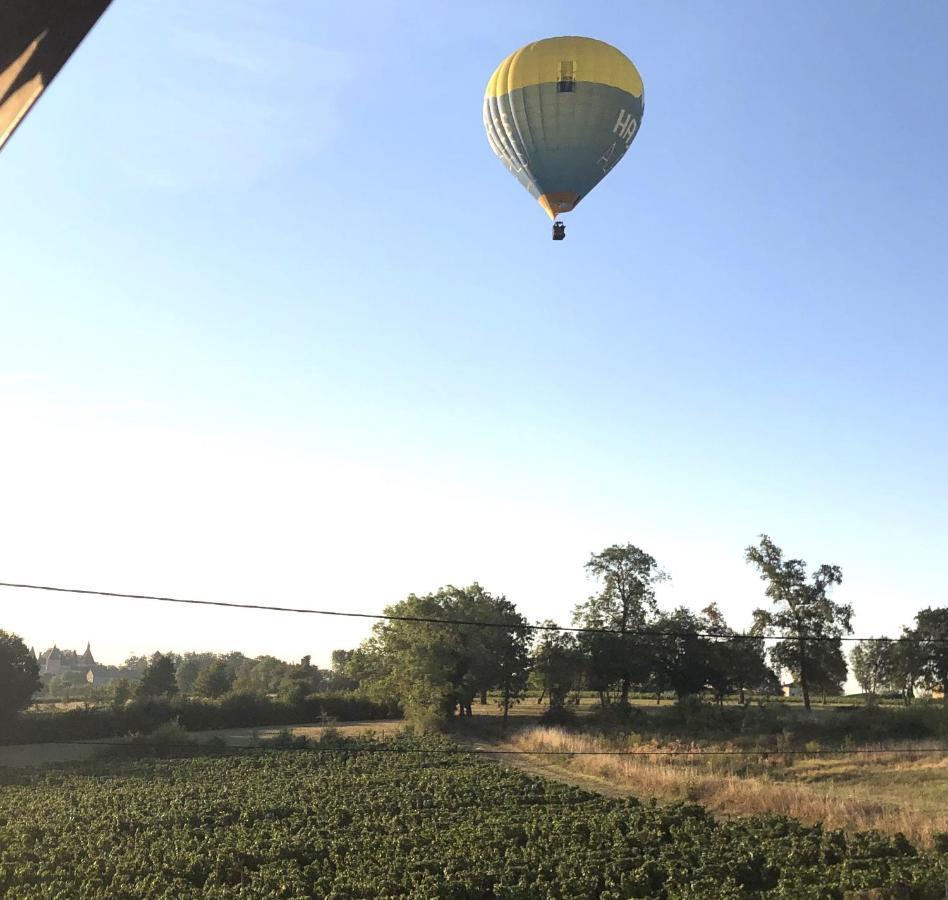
(543,62)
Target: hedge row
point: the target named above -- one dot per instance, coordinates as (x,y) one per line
(232,711)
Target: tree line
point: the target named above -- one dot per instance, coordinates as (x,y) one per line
(436,669)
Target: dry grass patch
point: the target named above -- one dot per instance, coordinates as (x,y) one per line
(897,790)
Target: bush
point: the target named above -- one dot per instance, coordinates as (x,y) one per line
(286,740)
(234,710)
(167,741)
(618,717)
(562,716)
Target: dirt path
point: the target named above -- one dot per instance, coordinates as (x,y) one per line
(534,765)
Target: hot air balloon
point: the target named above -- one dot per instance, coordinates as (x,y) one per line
(560,113)
(36,39)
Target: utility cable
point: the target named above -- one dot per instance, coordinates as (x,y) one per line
(429,620)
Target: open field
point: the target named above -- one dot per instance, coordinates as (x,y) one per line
(896,791)
(407,817)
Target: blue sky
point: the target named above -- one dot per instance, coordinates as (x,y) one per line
(277,325)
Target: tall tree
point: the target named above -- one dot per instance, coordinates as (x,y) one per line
(19,675)
(432,669)
(907,665)
(158,679)
(626,601)
(510,655)
(736,662)
(486,654)
(803,612)
(828,669)
(931,629)
(872,663)
(682,657)
(262,675)
(556,664)
(214,680)
(189,667)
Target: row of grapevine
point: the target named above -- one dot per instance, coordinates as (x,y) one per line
(396,824)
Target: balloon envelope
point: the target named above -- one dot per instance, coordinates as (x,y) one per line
(560,113)
(36,39)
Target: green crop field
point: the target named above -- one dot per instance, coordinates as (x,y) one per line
(305,823)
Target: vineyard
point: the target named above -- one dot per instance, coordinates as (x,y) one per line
(398,822)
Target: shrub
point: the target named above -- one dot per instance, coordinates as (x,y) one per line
(563,716)
(618,717)
(166,741)
(234,710)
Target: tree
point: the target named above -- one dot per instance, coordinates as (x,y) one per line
(682,656)
(625,603)
(556,664)
(907,664)
(736,662)
(414,662)
(490,657)
(19,676)
(804,615)
(433,669)
(262,675)
(136,665)
(931,629)
(339,677)
(214,680)
(828,669)
(158,678)
(189,667)
(510,658)
(872,663)
(122,692)
(300,680)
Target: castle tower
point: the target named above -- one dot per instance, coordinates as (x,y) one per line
(86,658)
(54,661)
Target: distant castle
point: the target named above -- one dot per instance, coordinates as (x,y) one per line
(56,662)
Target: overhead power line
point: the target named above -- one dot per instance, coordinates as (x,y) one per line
(430,620)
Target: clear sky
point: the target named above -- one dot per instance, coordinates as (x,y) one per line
(276,326)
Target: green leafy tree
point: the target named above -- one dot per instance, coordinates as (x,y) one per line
(828,669)
(262,675)
(189,666)
(136,665)
(339,677)
(626,601)
(872,663)
(214,680)
(490,657)
(433,669)
(122,691)
(158,679)
(931,629)
(510,658)
(415,663)
(19,675)
(907,664)
(803,614)
(300,681)
(682,656)
(556,665)
(736,662)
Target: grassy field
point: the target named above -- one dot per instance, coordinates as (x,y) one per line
(407,817)
(899,790)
